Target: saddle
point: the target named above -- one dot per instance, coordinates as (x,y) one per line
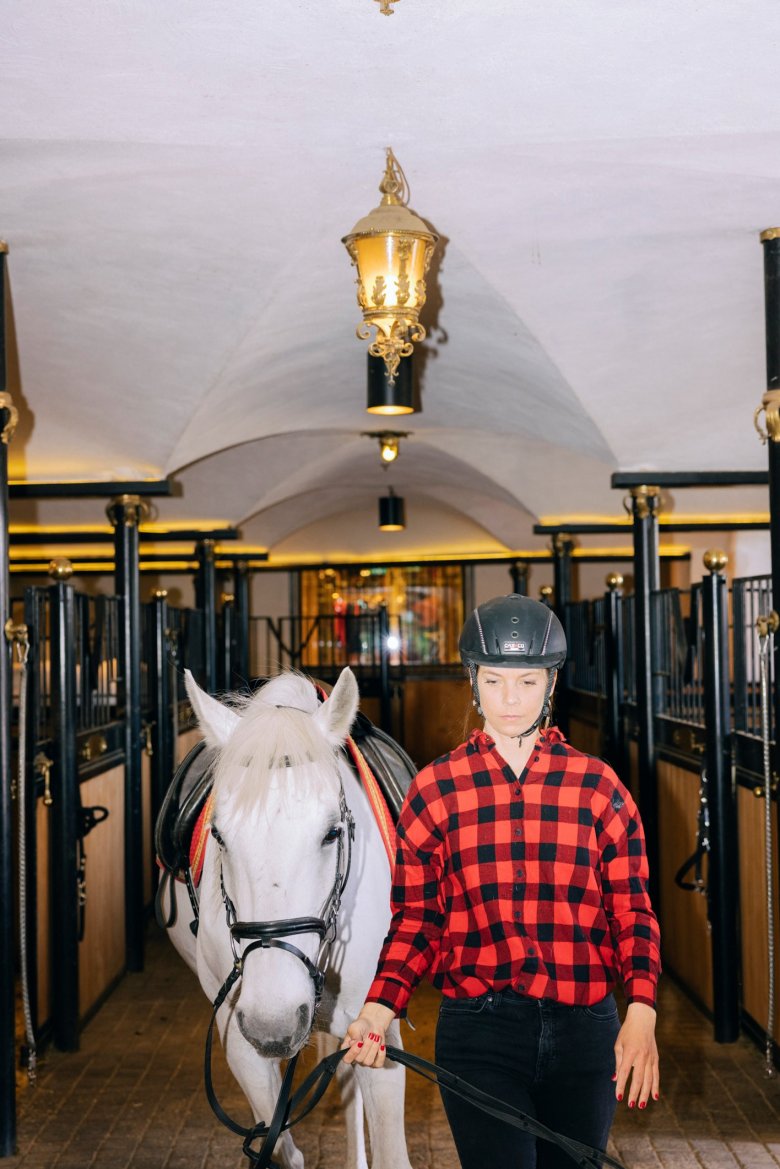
(182,808)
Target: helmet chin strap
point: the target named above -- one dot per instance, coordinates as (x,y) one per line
(543,713)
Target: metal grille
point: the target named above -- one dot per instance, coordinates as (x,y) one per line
(751,598)
(678,654)
(97,625)
(629,654)
(37,618)
(586,665)
(322,644)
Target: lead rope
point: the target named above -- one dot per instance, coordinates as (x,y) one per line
(766,631)
(19,637)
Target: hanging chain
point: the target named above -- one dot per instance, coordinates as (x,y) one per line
(766,635)
(18,636)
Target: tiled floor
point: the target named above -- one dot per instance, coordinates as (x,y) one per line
(132,1097)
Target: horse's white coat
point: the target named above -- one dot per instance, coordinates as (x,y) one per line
(276,795)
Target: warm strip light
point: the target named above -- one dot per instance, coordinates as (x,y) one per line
(663,517)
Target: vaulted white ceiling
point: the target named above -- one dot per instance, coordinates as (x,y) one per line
(175,182)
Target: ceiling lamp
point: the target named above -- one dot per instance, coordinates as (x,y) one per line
(388,395)
(391,249)
(389,443)
(392,516)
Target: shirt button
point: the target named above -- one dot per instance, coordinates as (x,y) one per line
(517,917)
(520,873)
(517,791)
(518,832)
(531,952)
(521,987)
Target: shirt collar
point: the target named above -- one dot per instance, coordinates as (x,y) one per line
(484,742)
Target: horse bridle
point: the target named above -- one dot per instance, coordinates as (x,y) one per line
(265,935)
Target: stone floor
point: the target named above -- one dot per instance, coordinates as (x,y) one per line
(132,1097)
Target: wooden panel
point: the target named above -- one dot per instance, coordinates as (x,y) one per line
(186,742)
(632,780)
(146,814)
(585,736)
(434,713)
(43,909)
(685,937)
(752,896)
(102,952)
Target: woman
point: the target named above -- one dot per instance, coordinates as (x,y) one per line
(521,887)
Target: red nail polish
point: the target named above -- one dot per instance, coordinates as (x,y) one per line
(620,1095)
(631,1104)
(655,1095)
(360,1044)
(382,1047)
(614,1077)
(643,1104)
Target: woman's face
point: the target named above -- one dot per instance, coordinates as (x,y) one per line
(511,699)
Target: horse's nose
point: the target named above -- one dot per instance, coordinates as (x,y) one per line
(278,1038)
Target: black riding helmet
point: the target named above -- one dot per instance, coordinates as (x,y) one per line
(515,632)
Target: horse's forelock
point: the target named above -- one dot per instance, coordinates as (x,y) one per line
(276,733)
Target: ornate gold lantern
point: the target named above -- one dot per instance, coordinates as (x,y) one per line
(391,248)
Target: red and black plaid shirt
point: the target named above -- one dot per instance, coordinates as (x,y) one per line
(538,884)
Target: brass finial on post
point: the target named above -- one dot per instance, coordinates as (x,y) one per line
(60,568)
(715,560)
(614,581)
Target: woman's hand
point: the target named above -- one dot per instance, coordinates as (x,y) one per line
(636,1055)
(365,1038)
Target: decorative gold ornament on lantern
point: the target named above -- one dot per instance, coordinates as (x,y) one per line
(392,249)
(385,6)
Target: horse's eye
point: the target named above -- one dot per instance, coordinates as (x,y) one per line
(332,834)
(216,835)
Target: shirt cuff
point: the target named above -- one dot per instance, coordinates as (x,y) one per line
(641,990)
(389,993)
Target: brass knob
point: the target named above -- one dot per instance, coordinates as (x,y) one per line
(546,592)
(60,568)
(614,581)
(159,594)
(715,560)
(227,598)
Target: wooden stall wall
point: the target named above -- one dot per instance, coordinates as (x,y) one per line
(102,949)
(185,742)
(753,910)
(434,711)
(146,813)
(683,914)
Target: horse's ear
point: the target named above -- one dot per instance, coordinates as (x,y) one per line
(337,713)
(216,720)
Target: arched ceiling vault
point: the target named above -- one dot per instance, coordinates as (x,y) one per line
(176,180)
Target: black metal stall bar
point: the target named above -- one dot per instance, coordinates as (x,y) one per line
(614,735)
(65,814)
(206,601)
(163,746)
(241,584)
(125,513)
(227,640)
(723,858)
(7,886)
(770,407)
(644,508)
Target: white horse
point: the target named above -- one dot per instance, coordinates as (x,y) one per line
(280,786)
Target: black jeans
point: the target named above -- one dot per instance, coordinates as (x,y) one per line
(554,1062)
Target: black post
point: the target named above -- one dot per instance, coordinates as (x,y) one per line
(385,693)
(644,509)
(770,405)
(723,859)
(241,664)
(562,545)
(227,641)
(614,748)
(7,884)
(125,513)
(206,594)
(518,570)
(64,822)
(160,686)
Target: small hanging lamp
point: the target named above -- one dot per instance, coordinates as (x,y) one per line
(388,395)
(391,248)
(392,516)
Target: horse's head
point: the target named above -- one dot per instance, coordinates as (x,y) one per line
(278,822)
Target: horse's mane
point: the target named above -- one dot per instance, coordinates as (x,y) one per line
(276,734)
